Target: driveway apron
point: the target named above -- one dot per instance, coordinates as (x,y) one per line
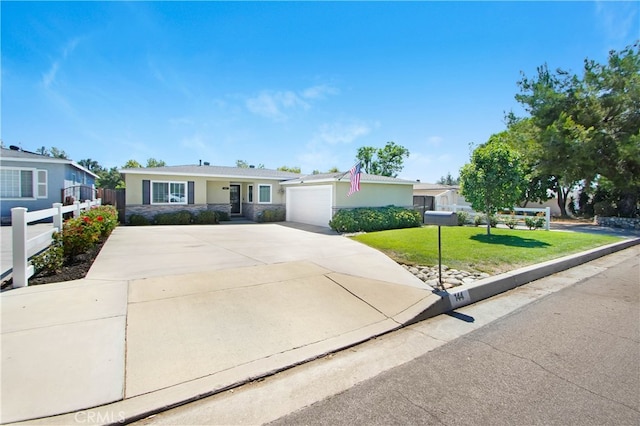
(168,313)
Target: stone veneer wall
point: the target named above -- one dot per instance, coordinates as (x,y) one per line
(150,210)
(251,211)
(618,222)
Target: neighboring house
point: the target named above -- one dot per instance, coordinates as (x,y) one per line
(247,192)
(434,195)
(444,196)
(37,181)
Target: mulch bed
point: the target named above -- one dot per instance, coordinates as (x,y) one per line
(73,270)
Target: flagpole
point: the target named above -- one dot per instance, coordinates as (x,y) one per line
(351,168)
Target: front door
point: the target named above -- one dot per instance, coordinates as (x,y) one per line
(234,196)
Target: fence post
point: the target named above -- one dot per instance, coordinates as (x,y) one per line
(57,218)
(547,216)
(19,246)
(76,212)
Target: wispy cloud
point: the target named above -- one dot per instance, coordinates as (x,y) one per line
(618,20)
(49,77)
(277,105)
(322,151)
(435,140)
(345,133)
(319,92)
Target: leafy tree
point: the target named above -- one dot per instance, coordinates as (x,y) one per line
(43,151)
(386,161)
(589,127)
(289,169)
(494,178)
(334,169)
(58,153)
(448,180)
(367,157)
(152,162)
(111,179)
(132,164)
(244,165)
(91,165)
(523,136)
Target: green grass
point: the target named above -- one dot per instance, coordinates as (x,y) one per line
(470,249)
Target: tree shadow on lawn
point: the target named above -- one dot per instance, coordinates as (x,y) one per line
(509,240)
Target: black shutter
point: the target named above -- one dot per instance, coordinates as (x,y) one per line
(146,192)
(191,192)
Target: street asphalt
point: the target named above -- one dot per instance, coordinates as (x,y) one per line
(168,315)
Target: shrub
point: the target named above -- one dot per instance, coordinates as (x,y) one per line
(52,259)
(80,234)
(206,217)
(534,222)
(463,218)
(273,215)
(374,219)
(106,218)
(223,216)
(174,218)
(493,221)
(479,219)
(138,220)
(511,221)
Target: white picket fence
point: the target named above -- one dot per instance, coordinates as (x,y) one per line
(520,217)
(24,248)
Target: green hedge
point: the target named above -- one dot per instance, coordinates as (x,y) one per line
(183,217)
(273,215)
(369,219)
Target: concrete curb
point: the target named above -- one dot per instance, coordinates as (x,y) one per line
(489,287)
(137,408)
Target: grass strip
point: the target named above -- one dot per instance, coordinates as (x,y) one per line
(470,249)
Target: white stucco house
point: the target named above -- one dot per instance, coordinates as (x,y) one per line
(310,199)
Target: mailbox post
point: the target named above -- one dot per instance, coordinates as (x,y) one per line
(441,219)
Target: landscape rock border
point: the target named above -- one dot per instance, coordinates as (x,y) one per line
(450,277)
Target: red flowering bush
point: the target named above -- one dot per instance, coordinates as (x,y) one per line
(106,218)
(81,233)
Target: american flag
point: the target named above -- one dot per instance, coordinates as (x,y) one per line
(355,179)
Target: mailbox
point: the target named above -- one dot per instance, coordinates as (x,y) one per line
(440,218)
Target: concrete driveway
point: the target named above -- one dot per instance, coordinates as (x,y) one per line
(170,313)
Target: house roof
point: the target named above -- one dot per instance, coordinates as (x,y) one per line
(32,157)
(286,178)
(334,177)
(434,186)
(214,171)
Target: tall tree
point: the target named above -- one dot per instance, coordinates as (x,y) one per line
(58,153)
(386,161)
(91,165)
(132,164)
(589,127)
(523,136)
(289,169)
(448,180)
(111,179)
(152,162)
(244,165)
(494,178)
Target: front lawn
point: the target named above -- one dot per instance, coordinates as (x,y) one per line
(470,249)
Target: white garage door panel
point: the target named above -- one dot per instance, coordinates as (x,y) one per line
(310,204)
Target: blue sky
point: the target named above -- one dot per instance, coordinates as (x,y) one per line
(291,83)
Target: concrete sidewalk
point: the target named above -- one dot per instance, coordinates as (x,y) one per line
(170,314)
(201,308)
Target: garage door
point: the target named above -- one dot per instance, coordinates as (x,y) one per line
(309,204)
